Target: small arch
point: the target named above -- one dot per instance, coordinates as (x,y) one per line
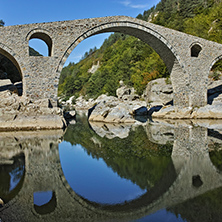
(47,206)
(197,181)
(43,36)
(195,50)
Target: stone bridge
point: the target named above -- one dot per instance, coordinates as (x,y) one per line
(188,58)
(192,174)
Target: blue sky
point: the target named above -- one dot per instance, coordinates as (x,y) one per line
(14,12)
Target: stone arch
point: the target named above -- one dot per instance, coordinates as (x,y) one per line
(214,61)
(195,49)
(43,35)
(13,68)
(8,53)
(179,77)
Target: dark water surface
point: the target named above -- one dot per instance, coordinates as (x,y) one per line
(100,172)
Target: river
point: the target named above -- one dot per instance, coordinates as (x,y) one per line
(152,171)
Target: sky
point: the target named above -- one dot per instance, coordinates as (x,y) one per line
(19,12)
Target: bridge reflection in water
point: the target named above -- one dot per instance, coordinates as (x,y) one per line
(34,187)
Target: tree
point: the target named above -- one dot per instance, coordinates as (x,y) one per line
(2,23)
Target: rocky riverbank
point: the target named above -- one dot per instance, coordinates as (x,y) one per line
(156,102)
(21,113)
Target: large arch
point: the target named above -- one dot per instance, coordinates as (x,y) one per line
(179,76)
(8,53)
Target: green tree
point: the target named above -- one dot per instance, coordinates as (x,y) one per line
(2,22)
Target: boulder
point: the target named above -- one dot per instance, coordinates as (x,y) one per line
(69,115)
(208,112)
(20,113)
(6,84)
(126,93)
(173,112)
(158,92)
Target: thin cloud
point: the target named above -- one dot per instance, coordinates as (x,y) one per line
(139,6)
(128,3)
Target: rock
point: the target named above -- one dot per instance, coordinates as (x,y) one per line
(158,92)
(173,112)
(20,113)
(94,68)
(214,91)
(69,115)
(217,100)
(111,111)
(208,112)
(6,84)
(126,93)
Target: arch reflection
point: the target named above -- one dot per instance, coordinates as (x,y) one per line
(115,174)
(12,173)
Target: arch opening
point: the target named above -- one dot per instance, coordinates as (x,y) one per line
(10,74)
(39,39)
(172,61)
(195,50)
(214,91)
(44,202)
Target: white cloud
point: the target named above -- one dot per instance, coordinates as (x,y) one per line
(126,3)
(139,6)
(129,3)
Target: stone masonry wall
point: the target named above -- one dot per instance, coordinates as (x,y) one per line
(41,74)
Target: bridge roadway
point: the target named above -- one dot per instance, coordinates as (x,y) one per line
(188,58)
(193,175)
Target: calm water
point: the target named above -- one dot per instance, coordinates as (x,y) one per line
(102,172)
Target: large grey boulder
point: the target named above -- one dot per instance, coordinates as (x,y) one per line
(173,112)
(158,92)
(112,110)
(208,112)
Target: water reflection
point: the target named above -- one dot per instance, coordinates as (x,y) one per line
(114,170)
(12,172)
(93,180)
(158,171)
